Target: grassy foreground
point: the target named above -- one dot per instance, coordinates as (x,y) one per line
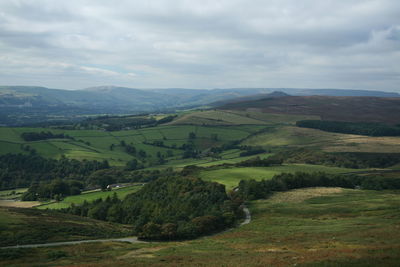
(306,227)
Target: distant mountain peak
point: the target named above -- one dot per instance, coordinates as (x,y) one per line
(102,88)
(277,94)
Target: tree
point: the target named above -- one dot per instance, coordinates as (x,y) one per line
(102,178)
(192,136)
(132,165)
(142,153)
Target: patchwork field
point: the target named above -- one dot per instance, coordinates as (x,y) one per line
(334,227)
(96,145)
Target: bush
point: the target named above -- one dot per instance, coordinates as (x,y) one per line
(56,254)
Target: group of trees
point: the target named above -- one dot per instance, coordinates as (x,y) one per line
(56,189)
(251,189)
(36,136)
(19,170)
(251,150)
(226,146)
(356,160)
(168,208)
(361,128)
(258,162)
(117,123)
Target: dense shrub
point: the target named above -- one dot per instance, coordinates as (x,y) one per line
(36,136)
(56,189)
(362,128)
(168,208)
(251,189)
(258,162)
(18,170)
(356,160)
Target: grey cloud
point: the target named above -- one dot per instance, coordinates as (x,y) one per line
(201,44)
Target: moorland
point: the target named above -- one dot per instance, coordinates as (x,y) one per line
(319,174)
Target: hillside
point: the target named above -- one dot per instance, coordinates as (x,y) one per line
(29,104)
(303,227)
(29,226)
(21,105)
(356,109)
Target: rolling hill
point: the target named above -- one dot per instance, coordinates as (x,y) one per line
(21,105)
(335,108)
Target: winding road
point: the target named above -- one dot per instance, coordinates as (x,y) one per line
(125,239)
(54,244)
(247,214)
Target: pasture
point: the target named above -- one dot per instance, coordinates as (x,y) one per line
(101,145)
(237,117)
(90,196)
(12,193)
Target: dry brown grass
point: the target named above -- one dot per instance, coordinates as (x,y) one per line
(327,141)
(19,204)
(300,195)
(142,252)
(358,143)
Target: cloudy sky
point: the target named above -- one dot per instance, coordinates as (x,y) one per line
(201,44)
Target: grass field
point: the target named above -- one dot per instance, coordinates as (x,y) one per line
(229,156)
(231,177)
(235,117)
(216,117)
(327,228)
(12,194)
(95,145)
(90,196)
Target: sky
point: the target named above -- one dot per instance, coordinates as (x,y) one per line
(74,44)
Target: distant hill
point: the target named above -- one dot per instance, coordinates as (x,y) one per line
(29,104)
(274,94)
(339,92)
(336,108)
(326,92)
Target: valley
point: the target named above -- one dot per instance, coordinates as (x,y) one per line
(223,153)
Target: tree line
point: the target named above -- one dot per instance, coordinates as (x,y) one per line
(355,160)
(56,189)
(361,128)
(20,170)
(36,136)
(252,190)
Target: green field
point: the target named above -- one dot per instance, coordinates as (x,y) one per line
(338,228)
(234,117)
(95,145)
(90,196)
(228,157)
(231,177)
(12,194)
